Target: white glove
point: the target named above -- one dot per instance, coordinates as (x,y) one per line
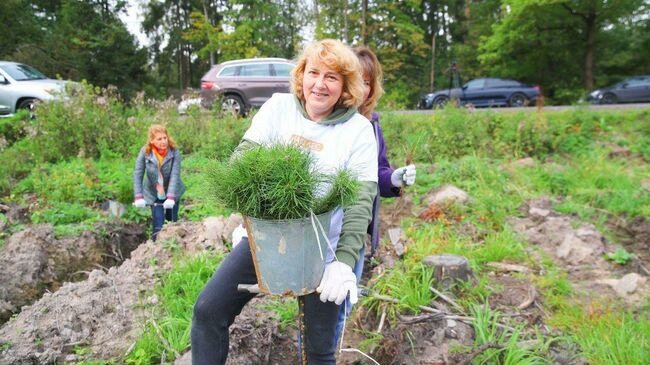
(140,203)
(238,234)
(337,281)
(403,175)
(168,204)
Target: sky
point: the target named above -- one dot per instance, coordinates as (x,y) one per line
(133,19)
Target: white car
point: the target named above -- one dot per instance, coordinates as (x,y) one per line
(22,85)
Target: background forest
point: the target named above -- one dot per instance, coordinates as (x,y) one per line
(568,47)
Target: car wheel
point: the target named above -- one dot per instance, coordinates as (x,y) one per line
(518,100)
(27,104)
(233,104)
(609,99)
(440,102)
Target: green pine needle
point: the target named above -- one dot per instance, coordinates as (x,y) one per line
(278,182)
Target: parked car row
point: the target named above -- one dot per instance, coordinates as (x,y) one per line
(21,86)
(484,92)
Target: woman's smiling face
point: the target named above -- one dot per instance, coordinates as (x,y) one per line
(322,89)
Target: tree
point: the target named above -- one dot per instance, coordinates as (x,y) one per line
(83,40)
(555,29)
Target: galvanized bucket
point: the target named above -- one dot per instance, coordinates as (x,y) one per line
(288,257)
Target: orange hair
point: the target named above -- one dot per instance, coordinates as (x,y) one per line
(155,129)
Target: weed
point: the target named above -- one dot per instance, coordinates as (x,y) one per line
(510,352)
(607,335)
(285,310)
(5,345)
(173,314)
(620,256)
(81,350)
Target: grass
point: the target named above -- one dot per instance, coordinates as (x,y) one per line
(171,318)
(510,352)
(285,311)
(64,179)
(607,335)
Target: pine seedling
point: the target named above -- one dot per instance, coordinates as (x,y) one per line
(278,182)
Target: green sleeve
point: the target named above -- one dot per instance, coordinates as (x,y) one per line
(244,145)
(356,219)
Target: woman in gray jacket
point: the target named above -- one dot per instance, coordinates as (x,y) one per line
(159,163)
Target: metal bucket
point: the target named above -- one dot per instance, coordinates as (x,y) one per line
(286,253)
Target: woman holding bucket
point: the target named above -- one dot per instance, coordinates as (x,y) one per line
(320,116)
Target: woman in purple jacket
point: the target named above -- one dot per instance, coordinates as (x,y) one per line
(390,180)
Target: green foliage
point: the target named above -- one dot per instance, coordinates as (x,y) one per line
(487,331)
(608,335)
(65,214)
(456,132)
(285,311)
(620,256)
(407,282)
(278,182)
(173,314)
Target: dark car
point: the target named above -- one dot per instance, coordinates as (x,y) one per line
(241,84)
(632,90)
(484,92)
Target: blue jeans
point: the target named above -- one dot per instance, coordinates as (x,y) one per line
(347,308)
(159,215)
(219,303)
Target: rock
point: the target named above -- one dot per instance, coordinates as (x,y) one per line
(540,213)
(395,235)
(446,194)
(628,284)
(645,183)
(620,152)
(573,249)
(524,162)
(185,359)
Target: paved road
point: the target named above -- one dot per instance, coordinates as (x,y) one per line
(548,108)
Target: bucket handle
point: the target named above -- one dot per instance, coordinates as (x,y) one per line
(313,225)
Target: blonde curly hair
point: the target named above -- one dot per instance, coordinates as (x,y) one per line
(339,57)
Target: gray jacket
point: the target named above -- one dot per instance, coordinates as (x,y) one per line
(146,166)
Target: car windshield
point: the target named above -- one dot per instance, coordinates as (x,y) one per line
(20,72)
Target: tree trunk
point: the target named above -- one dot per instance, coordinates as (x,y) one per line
(433,60)
(590,25)
(364,22)
(345,22)
(448,269)
(207,20)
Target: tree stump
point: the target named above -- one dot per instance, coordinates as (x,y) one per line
(448,268)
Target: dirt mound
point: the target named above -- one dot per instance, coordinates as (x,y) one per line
(580,249)
(105,312)
(34,261)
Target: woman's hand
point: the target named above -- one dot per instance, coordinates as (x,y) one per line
(140,203)
(337,281)
(168,204)
(403,176)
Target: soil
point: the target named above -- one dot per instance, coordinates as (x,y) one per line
(103,310)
